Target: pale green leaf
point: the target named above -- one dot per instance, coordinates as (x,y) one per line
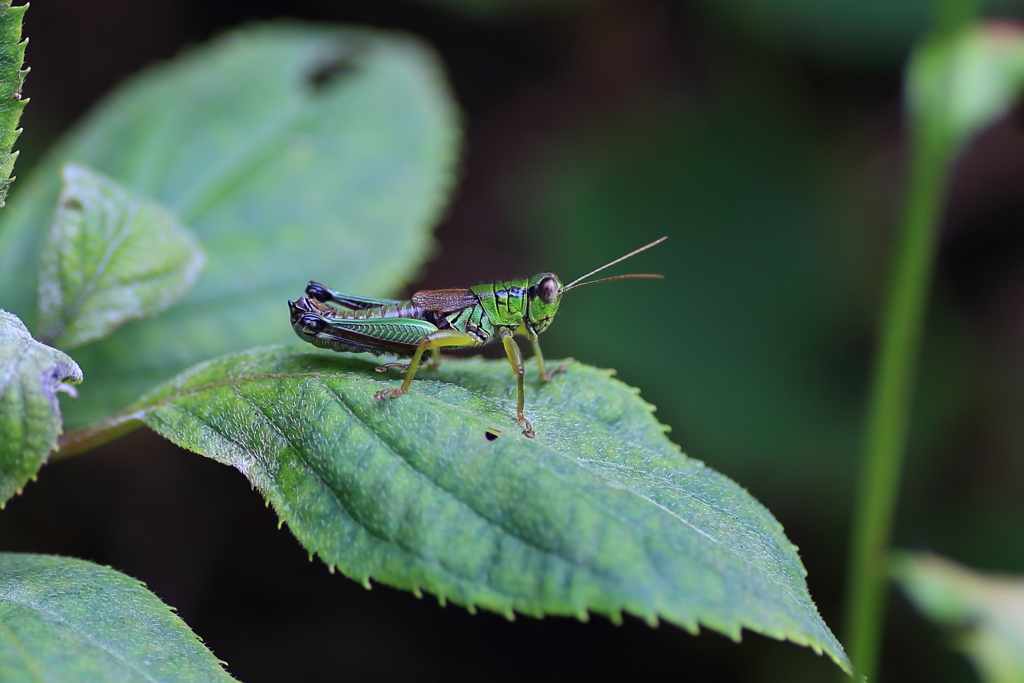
(111,258)
(439,490)
(30,422)
(294,152)
(64,620)
(960,82)
(12,76)
(985,610)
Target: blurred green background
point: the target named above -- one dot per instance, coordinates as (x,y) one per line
(765,139)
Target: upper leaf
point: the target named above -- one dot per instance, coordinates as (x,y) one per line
(987,610)
(439,490)
(69,620)
(294,152)
(111,258)
(30,422)
(960,82)
(12,57)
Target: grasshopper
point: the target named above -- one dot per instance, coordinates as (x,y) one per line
(434,319)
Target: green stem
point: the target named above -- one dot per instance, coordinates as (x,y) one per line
(890,402)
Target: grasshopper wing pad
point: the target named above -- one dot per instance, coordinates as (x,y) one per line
(443,302)
(402,334)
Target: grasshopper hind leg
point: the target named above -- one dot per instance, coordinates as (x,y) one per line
(434,342)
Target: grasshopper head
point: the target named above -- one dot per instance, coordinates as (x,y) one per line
(542,299)
(546,290)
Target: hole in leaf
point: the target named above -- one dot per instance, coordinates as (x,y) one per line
(492,434)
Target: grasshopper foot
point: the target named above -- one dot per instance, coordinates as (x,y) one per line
(388,393)
(547,376)
(527,427)
(388,366)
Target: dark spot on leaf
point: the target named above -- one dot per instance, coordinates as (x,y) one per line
(72,204)
(328,72)
(492,434)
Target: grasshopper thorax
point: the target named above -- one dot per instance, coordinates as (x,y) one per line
(542,299)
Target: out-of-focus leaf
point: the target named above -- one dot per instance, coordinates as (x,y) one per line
(962,81)
(111,258)
(69,620)
(30,422)
(12,57)
(986,610)
(439,490)
(294,152)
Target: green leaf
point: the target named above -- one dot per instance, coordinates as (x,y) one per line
(439,490)
(30,376)
(960,82)
(63,619)
(12,76)
(986,610)
(111,258)
(294,152)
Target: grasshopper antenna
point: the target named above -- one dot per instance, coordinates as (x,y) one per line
(577,282)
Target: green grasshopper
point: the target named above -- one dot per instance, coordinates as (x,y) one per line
(441,318)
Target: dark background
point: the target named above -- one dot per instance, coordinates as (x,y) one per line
(764,137)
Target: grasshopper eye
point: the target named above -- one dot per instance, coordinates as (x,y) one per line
(547,290)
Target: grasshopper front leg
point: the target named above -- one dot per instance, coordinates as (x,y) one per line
(534,341)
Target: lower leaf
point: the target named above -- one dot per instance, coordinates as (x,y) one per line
(63,619)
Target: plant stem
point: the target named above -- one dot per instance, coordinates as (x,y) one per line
(95,435)
(890,402)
